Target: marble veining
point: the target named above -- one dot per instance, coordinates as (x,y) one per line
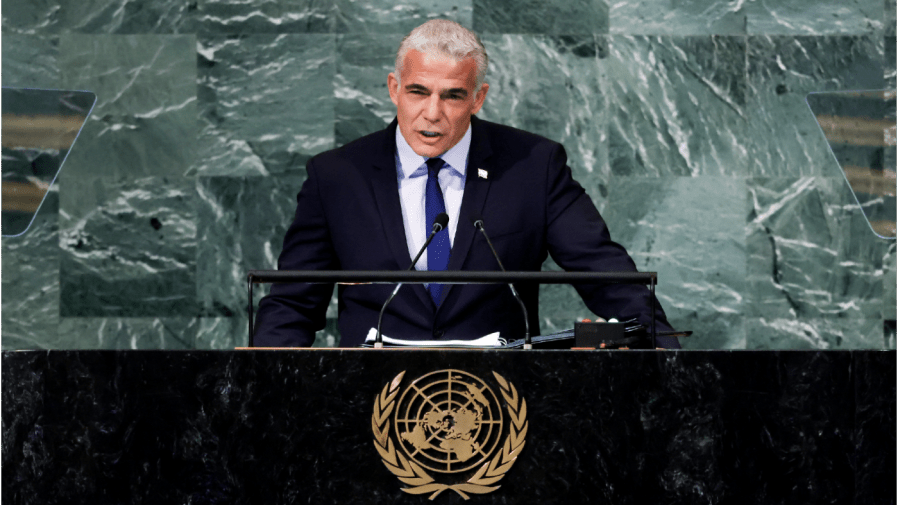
(781,72)
(692,17)
(30,61)
(30,311)
(792,251)
(144,122)
(382,16)
(151,276)
(890,63)
(98,16)
(362,100)
(126,333)
(677,106)
(685,122)
(550,85)
(266,103)
(697,290)
(813,17)
(234,212)
(265,16)
(533,16)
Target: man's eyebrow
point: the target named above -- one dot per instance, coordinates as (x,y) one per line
(455,91)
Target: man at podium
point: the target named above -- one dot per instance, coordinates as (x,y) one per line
(371,204)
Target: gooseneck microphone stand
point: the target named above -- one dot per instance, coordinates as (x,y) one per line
(527,342)
(439,223)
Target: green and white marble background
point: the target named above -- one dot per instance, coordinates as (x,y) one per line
(685,121)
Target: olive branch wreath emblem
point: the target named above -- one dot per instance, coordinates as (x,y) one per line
(417,478)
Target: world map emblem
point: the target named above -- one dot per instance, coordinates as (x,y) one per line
(448,430)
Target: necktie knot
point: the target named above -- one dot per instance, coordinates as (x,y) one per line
(434,165)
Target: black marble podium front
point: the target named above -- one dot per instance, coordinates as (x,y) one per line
(622,427)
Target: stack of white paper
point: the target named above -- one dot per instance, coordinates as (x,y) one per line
(491,340)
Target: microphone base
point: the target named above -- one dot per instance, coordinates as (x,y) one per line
(378,345)
(528,346)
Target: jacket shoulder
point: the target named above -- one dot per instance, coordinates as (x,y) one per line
(505,134)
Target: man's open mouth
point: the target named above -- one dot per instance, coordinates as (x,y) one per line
(430,134)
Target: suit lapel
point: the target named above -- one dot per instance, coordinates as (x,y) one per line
(386,192)
(476,190)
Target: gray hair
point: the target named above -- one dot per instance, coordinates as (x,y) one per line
(447,38)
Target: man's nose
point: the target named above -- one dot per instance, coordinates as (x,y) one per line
(433,108)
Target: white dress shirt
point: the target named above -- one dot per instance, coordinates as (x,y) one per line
(412,173)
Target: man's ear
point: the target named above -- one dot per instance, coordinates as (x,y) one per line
(393,86)
(480,97)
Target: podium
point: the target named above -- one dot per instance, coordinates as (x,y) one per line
(313,426)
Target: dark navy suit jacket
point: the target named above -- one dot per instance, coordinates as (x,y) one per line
(348,217)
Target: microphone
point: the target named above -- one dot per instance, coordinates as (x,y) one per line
(478,223)
(439,224)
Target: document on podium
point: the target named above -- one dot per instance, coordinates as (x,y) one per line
(491,340)
(561,340)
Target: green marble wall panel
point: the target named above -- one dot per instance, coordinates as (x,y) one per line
(390,16)
(362,104)
(677,105)
(220,266)
(97,16)
(738,17)
(126,333)
(891,58)
(781,72)
(144,121)
(30,266)
(128,248)
(535,16)
(30,61)
(265,16)
(815,333)
(813,17)
(241,226)
(890,20)
(550,85)
(689,229)
(266,103)
(230,332)
(241,223)
(559,305)
(890,284)
(221,332)
(809,253)
(891,55)
(689,17)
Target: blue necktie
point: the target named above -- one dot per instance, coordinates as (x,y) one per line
(438,251)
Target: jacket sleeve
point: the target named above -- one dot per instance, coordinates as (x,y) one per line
(579,240)
(291,314)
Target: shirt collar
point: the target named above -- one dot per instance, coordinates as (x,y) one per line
(411,162)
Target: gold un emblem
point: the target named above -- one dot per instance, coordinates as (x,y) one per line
(450,425)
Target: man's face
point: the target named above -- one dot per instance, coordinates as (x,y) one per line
(436,101)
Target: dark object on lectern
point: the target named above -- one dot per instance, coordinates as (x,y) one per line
(596,334)
(564,339)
